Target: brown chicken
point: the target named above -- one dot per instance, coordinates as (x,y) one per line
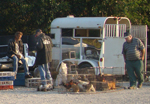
(68,85)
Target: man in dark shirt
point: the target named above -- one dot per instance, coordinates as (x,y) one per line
(43,58)
(15,50)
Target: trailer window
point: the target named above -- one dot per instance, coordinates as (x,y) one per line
(71,48)
(87,32)
(69,41)
(67,32)
(92,51)
(94,33)
(81,33)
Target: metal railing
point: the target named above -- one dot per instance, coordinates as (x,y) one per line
(114,30)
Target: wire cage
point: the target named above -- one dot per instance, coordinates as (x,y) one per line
(76,79)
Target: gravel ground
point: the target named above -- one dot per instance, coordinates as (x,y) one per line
(24,95)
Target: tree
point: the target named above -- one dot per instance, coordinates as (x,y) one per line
(25,15)
(29,15)
(138,12)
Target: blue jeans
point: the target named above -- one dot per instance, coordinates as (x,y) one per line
(15,65)
(45,73)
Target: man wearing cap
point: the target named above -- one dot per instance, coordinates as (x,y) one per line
(134,52)
(43,57)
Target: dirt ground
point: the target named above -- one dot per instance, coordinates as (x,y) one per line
(25,95)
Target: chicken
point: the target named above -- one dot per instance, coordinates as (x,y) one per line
(68,85)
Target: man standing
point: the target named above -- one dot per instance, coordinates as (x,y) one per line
(43,57)
(134,52)
(15,50)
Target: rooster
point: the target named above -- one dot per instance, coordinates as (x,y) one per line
(86,86)
(68,85)
(71,86)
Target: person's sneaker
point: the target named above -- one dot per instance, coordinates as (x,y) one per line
(50,87)
(28,76)
(42,88)
(139,85)
(131,87)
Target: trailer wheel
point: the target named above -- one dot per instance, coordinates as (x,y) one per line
(86,69)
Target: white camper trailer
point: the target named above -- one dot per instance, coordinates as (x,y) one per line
(93,42)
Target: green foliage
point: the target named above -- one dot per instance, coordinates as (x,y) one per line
(138,12)
(29,15)
(25,15)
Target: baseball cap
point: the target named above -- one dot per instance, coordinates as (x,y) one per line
(126,34)
(38,30)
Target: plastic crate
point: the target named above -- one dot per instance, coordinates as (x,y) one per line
(3,83)
(32,82)
(7,78)
(2,74)
(20,79)
(6,87)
